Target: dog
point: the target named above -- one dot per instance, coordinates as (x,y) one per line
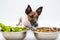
(32,17)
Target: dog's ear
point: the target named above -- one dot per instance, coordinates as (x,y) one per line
(28,9)
(39,10)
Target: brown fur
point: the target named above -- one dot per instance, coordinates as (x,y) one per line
(33,15)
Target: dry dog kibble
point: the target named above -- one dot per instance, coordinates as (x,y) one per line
(46,30)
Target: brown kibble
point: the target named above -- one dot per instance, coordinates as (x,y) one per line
(46,30)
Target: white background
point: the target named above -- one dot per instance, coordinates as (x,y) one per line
(12,10)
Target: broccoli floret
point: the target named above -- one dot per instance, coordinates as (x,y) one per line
(11,29)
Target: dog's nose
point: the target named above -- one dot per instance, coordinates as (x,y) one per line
(32,23)
(36,25)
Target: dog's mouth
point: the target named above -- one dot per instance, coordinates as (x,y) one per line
(33,23)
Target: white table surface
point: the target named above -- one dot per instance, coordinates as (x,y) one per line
(29,36)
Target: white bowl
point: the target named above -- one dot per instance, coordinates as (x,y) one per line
(46,35)
(14,35)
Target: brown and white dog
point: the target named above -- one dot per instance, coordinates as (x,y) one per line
(32,16)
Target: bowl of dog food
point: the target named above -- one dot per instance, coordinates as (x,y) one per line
(13,33)
(46,33)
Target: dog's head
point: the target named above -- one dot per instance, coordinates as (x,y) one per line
(33,16)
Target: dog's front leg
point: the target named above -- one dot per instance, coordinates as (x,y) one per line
(20,21)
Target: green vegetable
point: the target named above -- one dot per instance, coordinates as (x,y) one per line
(2,26)
(11,29)
(15,29)
(7,29)
(18,29)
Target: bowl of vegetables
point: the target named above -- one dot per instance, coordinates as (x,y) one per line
(46,33)
(13,33)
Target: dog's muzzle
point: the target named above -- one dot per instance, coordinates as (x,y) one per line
(33,23)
